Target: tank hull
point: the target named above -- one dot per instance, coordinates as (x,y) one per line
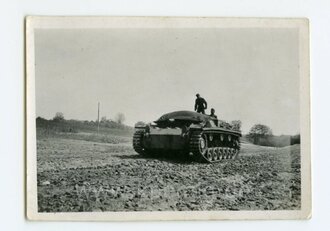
(205,145)
(202,137)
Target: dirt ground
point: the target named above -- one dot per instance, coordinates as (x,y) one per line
(78,175)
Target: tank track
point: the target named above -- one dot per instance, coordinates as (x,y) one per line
(137,142)
(215,152)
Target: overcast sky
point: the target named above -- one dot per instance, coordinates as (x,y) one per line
(246,74)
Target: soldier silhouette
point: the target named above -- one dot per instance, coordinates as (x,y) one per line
(213,113)
(200,104)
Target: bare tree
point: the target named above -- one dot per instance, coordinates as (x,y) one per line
(59,116)
(120,118)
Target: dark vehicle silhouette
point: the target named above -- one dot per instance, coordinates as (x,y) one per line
(188,133)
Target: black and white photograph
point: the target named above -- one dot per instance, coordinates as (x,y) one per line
(165,118)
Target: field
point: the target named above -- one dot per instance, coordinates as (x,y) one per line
(90,172)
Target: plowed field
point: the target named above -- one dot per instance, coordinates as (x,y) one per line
(78,175)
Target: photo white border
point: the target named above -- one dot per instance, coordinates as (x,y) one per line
(88,22)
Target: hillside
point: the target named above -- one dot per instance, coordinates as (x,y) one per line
(108,132)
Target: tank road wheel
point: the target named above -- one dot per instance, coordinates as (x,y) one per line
(236,154)
(220,153)
(224,153)
(137,142)
(232,153)
(227,153)
(209,154)
(215,154)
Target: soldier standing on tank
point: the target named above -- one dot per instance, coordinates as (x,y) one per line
(200,104)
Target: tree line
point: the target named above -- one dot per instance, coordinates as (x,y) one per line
(261,134)
(59,124)
(119,118)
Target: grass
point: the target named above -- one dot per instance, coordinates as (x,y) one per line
(80,130)
(111,137)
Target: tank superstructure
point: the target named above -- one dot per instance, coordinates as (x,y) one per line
(189,133)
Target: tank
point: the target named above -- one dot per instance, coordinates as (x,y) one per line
(203,137)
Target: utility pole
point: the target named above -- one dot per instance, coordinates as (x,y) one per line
(98,117)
